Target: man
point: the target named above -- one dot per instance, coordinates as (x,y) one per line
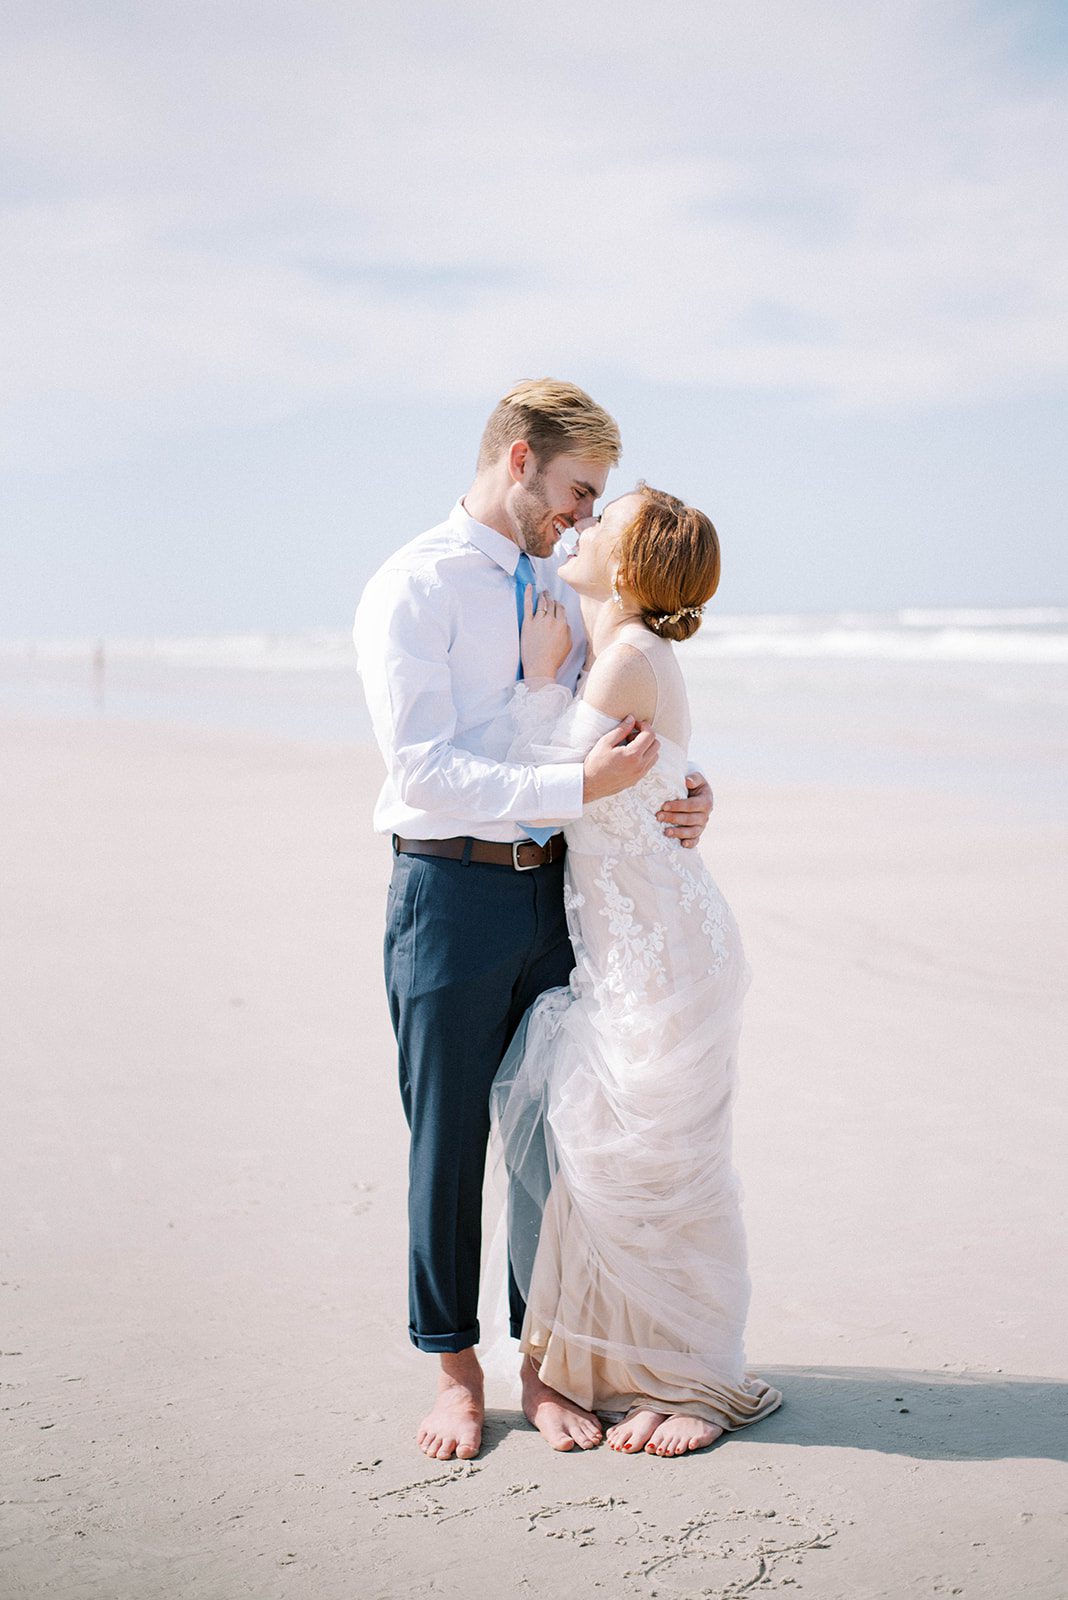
(475,918)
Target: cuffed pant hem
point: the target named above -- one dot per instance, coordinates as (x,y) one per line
(444,1343)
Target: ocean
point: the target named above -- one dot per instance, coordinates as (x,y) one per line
(964,702)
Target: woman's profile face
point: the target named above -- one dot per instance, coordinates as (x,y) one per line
(590,570)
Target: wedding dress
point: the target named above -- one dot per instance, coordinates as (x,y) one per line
(612,1106)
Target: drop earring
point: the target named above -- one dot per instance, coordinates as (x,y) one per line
(617,598)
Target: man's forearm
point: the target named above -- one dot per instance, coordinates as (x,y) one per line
(460,783)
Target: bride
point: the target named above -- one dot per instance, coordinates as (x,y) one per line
(613,1104)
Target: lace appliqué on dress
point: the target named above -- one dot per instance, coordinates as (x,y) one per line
(636,953)
(548,725)
(699,891)
(631,816)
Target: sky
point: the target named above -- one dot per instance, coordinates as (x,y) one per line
(265,269)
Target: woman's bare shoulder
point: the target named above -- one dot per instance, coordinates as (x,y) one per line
(622,683)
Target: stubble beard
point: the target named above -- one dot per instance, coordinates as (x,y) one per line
(531,511)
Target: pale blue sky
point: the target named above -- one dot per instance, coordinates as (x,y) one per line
(266,268)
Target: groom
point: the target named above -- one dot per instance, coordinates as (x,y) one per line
(475,925)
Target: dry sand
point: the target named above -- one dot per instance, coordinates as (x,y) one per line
(208,1390)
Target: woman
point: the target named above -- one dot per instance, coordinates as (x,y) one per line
(613,1103)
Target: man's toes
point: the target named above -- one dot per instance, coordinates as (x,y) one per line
(584,1432)
(553,1429)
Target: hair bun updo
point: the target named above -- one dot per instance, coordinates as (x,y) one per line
(669,559)
(674,625)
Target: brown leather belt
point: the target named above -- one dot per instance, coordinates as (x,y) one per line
(524,855)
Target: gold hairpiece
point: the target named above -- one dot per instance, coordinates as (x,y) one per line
(675,616)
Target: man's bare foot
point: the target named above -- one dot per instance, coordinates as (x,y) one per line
(635,1430)
(676,1435)
(453,1425)
(557,1419)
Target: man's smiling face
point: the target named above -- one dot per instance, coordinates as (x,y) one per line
(546,501)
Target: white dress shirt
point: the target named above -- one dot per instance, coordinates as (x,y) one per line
(437,645)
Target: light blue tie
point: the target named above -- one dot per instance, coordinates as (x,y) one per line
(524,575)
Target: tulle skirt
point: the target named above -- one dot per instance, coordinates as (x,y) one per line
(624,1221)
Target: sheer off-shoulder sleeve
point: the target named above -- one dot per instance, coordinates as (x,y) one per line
(550,724)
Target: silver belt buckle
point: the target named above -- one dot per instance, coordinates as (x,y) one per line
(517,864)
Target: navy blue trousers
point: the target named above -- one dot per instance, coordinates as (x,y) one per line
(468,947)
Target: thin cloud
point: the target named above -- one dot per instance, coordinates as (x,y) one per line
(233,211)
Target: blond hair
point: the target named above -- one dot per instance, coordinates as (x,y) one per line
(553,418)
(669,560)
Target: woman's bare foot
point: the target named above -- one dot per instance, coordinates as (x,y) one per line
(635,1430)
(677,1435)
(557,1419)
(453,1425)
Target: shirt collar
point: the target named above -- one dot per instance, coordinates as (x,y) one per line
(493,544)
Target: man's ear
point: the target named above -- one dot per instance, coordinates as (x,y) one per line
(520,460)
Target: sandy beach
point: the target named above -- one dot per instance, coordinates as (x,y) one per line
(208,1389)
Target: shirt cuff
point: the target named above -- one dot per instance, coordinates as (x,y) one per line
(560,792)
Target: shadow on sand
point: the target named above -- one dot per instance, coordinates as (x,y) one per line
(932,1416)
